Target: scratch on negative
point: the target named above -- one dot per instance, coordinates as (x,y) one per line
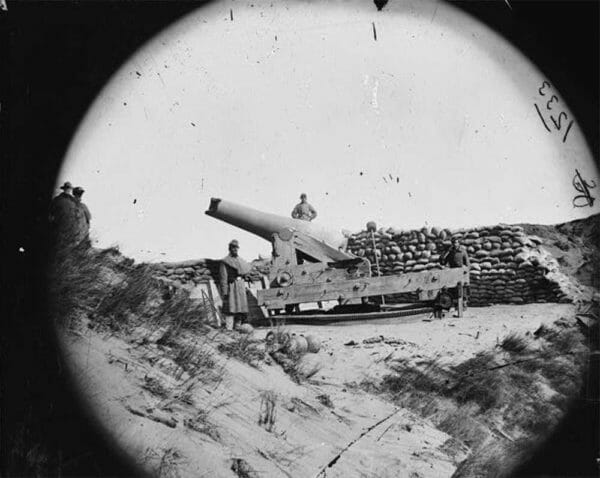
(437,4)
(323,471)
(374,32)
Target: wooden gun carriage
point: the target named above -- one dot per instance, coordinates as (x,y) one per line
(310,264)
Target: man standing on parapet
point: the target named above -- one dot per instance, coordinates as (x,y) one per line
(232,271)
(456,256)
(62,216)
(303,210)
(83,217)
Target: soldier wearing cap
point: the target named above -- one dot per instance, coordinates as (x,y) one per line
(456,256)
(303,210)
(62,214)
(232,272)
(83,216)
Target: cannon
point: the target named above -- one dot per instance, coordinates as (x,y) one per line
(310,264)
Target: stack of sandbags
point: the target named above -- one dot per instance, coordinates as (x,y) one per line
(507,266)
(184,273)
(189,273)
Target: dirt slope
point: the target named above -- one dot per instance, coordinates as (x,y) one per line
(576,246)
(329,425)
(373,437)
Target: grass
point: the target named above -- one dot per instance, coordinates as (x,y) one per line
(515,343)
(496,404)
(242,468)
(155,387)
(243,348)
(268,412)
(325,400)
(200,423)
(193,358)
(476,384)
(116,294)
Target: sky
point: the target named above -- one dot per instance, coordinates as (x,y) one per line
(410,116)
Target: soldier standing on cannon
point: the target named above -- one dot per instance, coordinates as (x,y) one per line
(303,210)
(232,272)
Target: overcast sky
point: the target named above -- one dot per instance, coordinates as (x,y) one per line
(432,123)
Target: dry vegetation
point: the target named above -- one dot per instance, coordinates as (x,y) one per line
(499,402)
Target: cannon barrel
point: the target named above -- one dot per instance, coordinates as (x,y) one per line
(265,224)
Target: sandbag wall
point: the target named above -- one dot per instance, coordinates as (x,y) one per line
(507,266)
(192,272)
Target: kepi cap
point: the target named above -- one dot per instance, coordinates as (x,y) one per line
(78,190)
(234,243)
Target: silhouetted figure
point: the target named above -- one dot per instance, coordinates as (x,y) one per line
(303,210)
(62,217)
(83,217)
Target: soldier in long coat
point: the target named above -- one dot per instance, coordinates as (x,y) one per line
(62,217)
(83,217)
(232,272)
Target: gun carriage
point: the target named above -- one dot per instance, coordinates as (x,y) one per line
(310,264)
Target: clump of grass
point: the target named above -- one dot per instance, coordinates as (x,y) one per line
(193,358)
(73,284)
(515,343)
(267,415)
(460,423)
(566,341)
(131,296)
(325,400)
(243,469)
(476,384)
(155,387)
(243,348)
(200,423)
(169,462)
(409,379)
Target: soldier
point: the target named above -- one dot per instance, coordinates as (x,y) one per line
(456,256)
(63,210)
(232,272)
(303,210)
(82,222)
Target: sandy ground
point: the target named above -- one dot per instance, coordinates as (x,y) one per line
(353,434)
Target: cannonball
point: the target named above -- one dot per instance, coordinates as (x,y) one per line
(297,344)
(245,329)
(314,343)
(309,365)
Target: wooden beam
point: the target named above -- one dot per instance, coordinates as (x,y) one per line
(364,287)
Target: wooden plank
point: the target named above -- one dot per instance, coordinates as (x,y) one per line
(364,287)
